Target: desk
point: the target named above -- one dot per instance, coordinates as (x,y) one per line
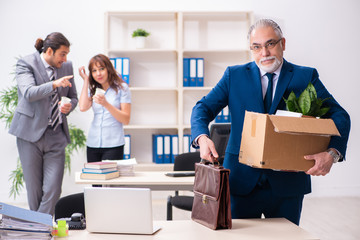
(249,229)
(152,180)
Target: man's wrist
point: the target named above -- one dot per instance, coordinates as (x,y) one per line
(335,154)
(196,140)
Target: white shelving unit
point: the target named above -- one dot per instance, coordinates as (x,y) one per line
(160,103)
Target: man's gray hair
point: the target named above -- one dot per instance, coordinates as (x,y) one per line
(266,23)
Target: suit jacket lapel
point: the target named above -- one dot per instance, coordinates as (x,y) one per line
(254,75)
(285,77)
(41,67)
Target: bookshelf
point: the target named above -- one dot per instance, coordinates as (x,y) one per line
(160,103)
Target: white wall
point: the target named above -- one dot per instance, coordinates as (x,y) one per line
(322,34)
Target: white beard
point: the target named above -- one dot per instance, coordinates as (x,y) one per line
(272,67)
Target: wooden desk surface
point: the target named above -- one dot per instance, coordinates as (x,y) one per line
(248,229)
(153,180)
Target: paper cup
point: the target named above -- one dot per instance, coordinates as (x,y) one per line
(65,100)
(99,91)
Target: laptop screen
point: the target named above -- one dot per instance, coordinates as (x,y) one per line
(119,210)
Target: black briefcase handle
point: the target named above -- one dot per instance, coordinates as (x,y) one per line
(213,164)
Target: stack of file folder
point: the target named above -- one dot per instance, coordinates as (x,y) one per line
(193,72)
(166,147)
(125,167)
(122,66)
(20,223)
(224,116)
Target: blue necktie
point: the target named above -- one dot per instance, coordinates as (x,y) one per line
(269,91)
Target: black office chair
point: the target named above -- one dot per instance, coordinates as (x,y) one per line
(70,204)
(183,162)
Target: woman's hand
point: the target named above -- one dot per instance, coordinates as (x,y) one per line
(100,99)
(83,74)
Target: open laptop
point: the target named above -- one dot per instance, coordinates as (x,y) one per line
(119,210)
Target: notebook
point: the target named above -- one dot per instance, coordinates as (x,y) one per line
(119,210)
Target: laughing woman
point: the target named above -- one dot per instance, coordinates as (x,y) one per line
(110,98)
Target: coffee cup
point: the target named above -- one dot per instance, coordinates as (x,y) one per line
(65,100)
(99,91)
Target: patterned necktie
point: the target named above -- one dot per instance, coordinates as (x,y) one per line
(269,91)
(55,118)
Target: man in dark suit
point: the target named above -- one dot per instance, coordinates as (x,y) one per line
(244,87)
(39,121)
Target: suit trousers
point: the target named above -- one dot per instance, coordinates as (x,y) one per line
(261,200)
(43,167)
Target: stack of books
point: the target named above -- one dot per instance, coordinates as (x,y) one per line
(100,170)
(19,223)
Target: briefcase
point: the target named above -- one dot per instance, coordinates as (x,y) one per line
(211,205)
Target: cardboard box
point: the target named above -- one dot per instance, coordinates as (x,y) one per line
(280,143)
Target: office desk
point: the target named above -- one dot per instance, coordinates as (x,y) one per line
(152,180)
(248,229)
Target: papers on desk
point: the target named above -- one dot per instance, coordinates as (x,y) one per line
(19,223)
(125,166)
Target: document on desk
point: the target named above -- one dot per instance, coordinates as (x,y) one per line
(181,174)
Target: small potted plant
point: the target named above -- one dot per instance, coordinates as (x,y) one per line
(140,35)
(307,103)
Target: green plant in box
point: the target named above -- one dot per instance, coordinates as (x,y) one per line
(307,103)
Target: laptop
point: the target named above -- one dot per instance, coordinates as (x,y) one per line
(119,210)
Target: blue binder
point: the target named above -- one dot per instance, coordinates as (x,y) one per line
(220,117)
(113,61)
(226,114)
(118,65)
(193,72)
(174,147)
(186,72)
(25,214)
(127,147)
(200,72)
(186,144)
(158,145)
(167,149)
(126,69)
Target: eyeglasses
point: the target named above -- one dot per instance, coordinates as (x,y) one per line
(269,45)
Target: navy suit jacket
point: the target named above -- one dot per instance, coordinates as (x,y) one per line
(240,89)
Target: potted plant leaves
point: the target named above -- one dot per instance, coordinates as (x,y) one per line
(140,36)
(307,103)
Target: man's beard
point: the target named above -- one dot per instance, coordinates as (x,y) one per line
(272,68)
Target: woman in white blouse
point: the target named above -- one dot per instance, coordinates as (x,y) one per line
(110,98)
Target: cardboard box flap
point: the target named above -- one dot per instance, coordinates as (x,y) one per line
(303,125)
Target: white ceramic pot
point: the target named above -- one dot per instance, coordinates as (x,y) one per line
(140,42)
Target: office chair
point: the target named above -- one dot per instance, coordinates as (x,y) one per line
(183,162)
(70,204)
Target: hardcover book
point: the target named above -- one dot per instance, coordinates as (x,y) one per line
(104,170)
(99,176)
(100,165)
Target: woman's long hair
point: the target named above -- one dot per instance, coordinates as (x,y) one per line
(115,81)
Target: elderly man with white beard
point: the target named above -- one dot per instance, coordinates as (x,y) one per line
(261,86)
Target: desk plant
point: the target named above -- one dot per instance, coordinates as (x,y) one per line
(140,35)
(307,103)
(8,103)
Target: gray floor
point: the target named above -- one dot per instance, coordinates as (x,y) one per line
(327,218)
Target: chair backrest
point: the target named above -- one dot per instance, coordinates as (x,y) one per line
(186,161)
(70,204)
(219,134)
